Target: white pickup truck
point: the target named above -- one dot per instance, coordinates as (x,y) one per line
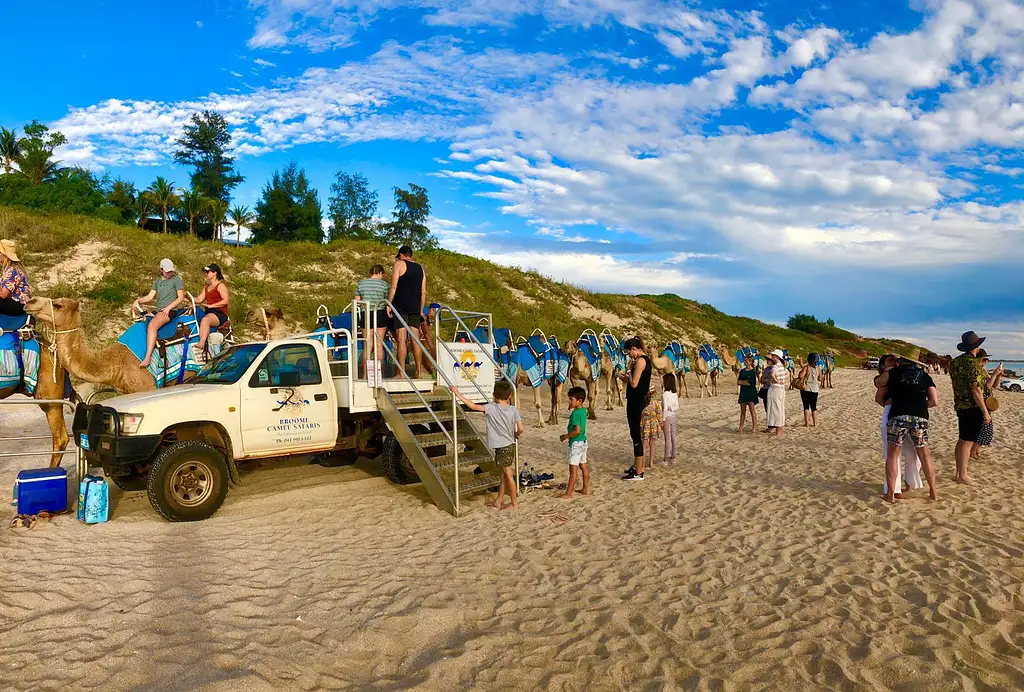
(295,396)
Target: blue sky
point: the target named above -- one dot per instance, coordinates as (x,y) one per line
(857,160)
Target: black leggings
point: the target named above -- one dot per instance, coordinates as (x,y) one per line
(633,411)
(763,396)
(810,400)
(11,308)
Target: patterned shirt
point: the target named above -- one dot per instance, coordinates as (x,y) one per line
(966,373)
(15,281)
(373,291)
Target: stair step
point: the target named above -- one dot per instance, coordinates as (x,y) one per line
(447,462)
(427,417)
(414,401)
(481,482)
(440,438)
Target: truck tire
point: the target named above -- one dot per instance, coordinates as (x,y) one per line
(131,483)
(188,481)
(395,464)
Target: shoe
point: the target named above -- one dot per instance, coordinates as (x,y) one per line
(632,475)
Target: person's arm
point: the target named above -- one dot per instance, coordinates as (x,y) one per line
(994,378)
(223,288)
(575,432)
(472,406)
(177,301)
(881,394)
(520,428)
(637,372)
(396,274)
(148,298)
(423,289)
(933,397)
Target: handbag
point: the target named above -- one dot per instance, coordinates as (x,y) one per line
(992,403)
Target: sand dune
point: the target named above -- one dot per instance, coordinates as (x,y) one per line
(753,564)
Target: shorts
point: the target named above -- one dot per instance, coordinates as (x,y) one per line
(505,456)
(900,426)
(414,320)
(222,316)
(969,421)
(810,400)
(987,435)
(577,453)
(383,321)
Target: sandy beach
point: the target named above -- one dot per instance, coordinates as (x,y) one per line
(753,564)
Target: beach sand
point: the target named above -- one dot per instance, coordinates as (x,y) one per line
(755,563)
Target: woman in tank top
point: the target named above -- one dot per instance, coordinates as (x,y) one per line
(638,383)
(811,376)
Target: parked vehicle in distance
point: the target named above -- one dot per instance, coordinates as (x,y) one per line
(872,363)
(1012,385)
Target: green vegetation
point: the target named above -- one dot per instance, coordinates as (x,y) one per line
(811,325)
(289,209)
(297,277)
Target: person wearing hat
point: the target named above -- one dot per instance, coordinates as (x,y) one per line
(14,288)
(988,431)
(216,299)
(910,392)
(408,295)
(169,292)
(777,394)
(968,377)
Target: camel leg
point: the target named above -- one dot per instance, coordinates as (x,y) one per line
(536,403)
(592,395)
(608,392)
(686,390)
(556,394)
(58,430)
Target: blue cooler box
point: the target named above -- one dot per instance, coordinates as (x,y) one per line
(41,490)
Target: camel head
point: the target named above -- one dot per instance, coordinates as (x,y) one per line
(570,348)
(64,313)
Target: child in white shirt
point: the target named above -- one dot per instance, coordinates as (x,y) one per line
(669,406)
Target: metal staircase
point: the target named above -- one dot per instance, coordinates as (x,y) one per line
(440,442)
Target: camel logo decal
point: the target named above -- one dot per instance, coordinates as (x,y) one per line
(469,365)
(293,403)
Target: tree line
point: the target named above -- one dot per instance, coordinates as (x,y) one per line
(289,208)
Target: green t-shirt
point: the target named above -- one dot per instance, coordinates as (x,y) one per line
(167,290)
(578,417)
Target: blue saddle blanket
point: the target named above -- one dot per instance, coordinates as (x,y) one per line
(19,361)
(708,354)
(180,358)
(591,350)
(559,362)
(10,323)
(676,354)
(613,347)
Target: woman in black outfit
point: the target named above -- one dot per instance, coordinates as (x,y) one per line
(638,383)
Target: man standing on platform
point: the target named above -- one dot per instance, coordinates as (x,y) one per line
(408,294)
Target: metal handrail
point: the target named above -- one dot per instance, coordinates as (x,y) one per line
(80,461)
(347,348)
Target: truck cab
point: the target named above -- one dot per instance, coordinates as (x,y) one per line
(305,395)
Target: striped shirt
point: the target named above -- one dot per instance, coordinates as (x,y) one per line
(373,291)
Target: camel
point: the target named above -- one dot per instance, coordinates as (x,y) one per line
(49,387)
(729,359)
(522,379)
(114,366)
(610,381)
(663,364)
(700,369)
(268,321)
(829,366)
(580,374)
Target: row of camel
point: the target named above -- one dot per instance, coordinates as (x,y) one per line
(66,350)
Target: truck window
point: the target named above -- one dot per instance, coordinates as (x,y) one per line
(287,364)
(229,366)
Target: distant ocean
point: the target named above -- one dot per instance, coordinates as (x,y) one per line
(1015,365)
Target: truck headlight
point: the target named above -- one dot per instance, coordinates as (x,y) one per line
(130,423)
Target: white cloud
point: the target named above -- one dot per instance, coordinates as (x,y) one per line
(264,63)
(235,74)
(199,24)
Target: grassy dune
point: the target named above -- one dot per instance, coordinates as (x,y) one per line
(106,266)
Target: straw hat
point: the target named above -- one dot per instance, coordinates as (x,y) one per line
(9,249)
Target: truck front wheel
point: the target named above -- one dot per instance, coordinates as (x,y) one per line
(395,464)
(188,481)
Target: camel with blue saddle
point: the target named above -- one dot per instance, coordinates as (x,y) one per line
(532,361)
(708,367)
(117,365)
(674,360)
(27,367)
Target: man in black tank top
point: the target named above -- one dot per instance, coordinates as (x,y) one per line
(638,384)
(408,294)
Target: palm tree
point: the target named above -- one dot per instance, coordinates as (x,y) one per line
(193,203)
(217,210)
(143,208)
(10,147)
(35,164)
(241,216)
(161,194)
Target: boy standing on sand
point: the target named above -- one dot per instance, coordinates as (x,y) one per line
(576,436)
(504,426)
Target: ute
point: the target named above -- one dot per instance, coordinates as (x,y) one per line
(306,395)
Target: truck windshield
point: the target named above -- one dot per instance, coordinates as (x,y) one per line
(230,365)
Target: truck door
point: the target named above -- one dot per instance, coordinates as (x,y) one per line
(288,404)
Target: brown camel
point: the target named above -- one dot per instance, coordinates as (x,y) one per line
(729,359)
(48,387)
(829,366)
(610,382)
(663,364)
(580,374)
(115,366)
(268,322)
(704,377)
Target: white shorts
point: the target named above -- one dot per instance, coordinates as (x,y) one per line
(577,453)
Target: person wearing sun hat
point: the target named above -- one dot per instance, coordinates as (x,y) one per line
(14,288)
(169,292)
(777,393)
(968,377)
(988,432)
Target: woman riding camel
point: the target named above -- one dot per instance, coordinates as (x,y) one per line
(14,290)
(216,299)
(169,293)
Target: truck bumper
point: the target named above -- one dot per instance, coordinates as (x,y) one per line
(97,431)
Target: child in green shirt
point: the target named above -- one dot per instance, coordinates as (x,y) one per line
(576,436)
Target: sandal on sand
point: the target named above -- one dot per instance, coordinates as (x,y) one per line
(24,521)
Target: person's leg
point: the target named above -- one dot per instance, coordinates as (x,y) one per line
(500,500)
(570,487)
(159,320)
(743,417)
(814,410)
(670,439)
(891,464)
(206,325)
(925,455)
(585,472)
(402,350)
(510,482)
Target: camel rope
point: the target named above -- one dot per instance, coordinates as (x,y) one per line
(266,324)
(53,344)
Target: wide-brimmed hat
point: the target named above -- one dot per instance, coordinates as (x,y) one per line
(778,352)
(969,341)
(982,353)
(9,249)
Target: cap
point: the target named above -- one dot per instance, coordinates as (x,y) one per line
(166,265)
(404,250)
(212,267)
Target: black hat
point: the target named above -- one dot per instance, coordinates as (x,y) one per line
(982,353)
(969,341)
(404,250)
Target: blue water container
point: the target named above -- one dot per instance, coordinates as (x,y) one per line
(41,490)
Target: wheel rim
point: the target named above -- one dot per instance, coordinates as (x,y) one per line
(192,483)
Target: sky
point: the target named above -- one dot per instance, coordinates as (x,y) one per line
(860,160)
